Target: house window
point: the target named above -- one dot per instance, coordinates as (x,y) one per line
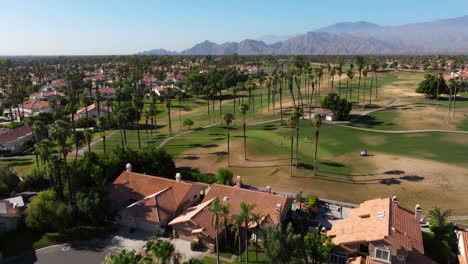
(364,249)
(401,257)
(382,254)
(337,259)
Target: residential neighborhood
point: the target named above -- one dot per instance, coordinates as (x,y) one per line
(190,132)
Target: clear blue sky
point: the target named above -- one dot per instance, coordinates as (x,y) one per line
(51,27)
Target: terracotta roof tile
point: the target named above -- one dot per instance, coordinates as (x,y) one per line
(463,256)
(265,203)
(135,186)
(379,219)
(11,135)
(157,208)
(35,105)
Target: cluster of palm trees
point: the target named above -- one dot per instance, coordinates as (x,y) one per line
(236,223)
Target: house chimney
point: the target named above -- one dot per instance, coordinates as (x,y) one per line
(268,189)
(278,212)
(178,177)
(323,231)
(418,212)
(238,182)
(395,200)
(128,167)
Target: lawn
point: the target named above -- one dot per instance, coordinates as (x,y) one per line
(262,258)
(21,165)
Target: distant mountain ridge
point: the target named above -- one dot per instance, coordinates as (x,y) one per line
(439,36)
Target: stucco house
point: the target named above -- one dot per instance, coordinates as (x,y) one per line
(379,231)
(195,224)
(462,247)
(92,111)
(34,107)
(15,140)
(9,216)
(148,202)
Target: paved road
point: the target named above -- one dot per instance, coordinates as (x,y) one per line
(64,254)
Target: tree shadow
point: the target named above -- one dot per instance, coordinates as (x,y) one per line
(390,181)
(394,172)
(332,164)
(219,153)
(209,146)
(191,157)
(412,178)
(366,121)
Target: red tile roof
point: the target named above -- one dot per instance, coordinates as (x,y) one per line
(379,219)
(265,203)
(35,105)
(157,208)
(135,186)
(463,256)
(11,135)
(405,229)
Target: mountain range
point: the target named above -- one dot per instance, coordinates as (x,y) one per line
(448,36)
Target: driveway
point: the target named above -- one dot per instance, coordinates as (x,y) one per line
(64,253)
(93,251)
(183,247)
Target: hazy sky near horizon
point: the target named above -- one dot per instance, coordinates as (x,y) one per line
(87,27)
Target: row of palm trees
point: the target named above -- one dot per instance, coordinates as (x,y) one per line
(237,223)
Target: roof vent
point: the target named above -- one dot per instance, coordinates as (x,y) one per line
(225,199)
(395,199)
(381,215)
(178,177)
(128,167)
(365,216)
(278,207)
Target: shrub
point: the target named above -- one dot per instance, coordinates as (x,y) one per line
(8,181)
(47,213)
(194,246)
(339,106)
(224,176)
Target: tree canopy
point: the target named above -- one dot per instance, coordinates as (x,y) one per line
(339,106)
(429,85)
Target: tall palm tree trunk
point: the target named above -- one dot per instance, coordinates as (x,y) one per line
(297,146)
(316,147)
(292,153)
(245,141)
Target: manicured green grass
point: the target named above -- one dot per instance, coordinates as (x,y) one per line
(261,257)
(463,125)
(274,140)
(21,165)
(384,120)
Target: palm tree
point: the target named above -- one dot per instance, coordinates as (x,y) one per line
(88,133)
(292,124)
(451,87)
(439,224)
(123,257)
(246,215)
(101,123)
(374,69)
(168,106)
(257,218)
(364,73)
(236,227)
(339,71)
(318,122)
(350,75)
(224,214)
(121,119)
(162,250)
(243,109)
(297,114)
(215,209)
(60,131)
(228,119)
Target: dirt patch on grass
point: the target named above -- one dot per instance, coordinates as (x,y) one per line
(373,140)
(415,181)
